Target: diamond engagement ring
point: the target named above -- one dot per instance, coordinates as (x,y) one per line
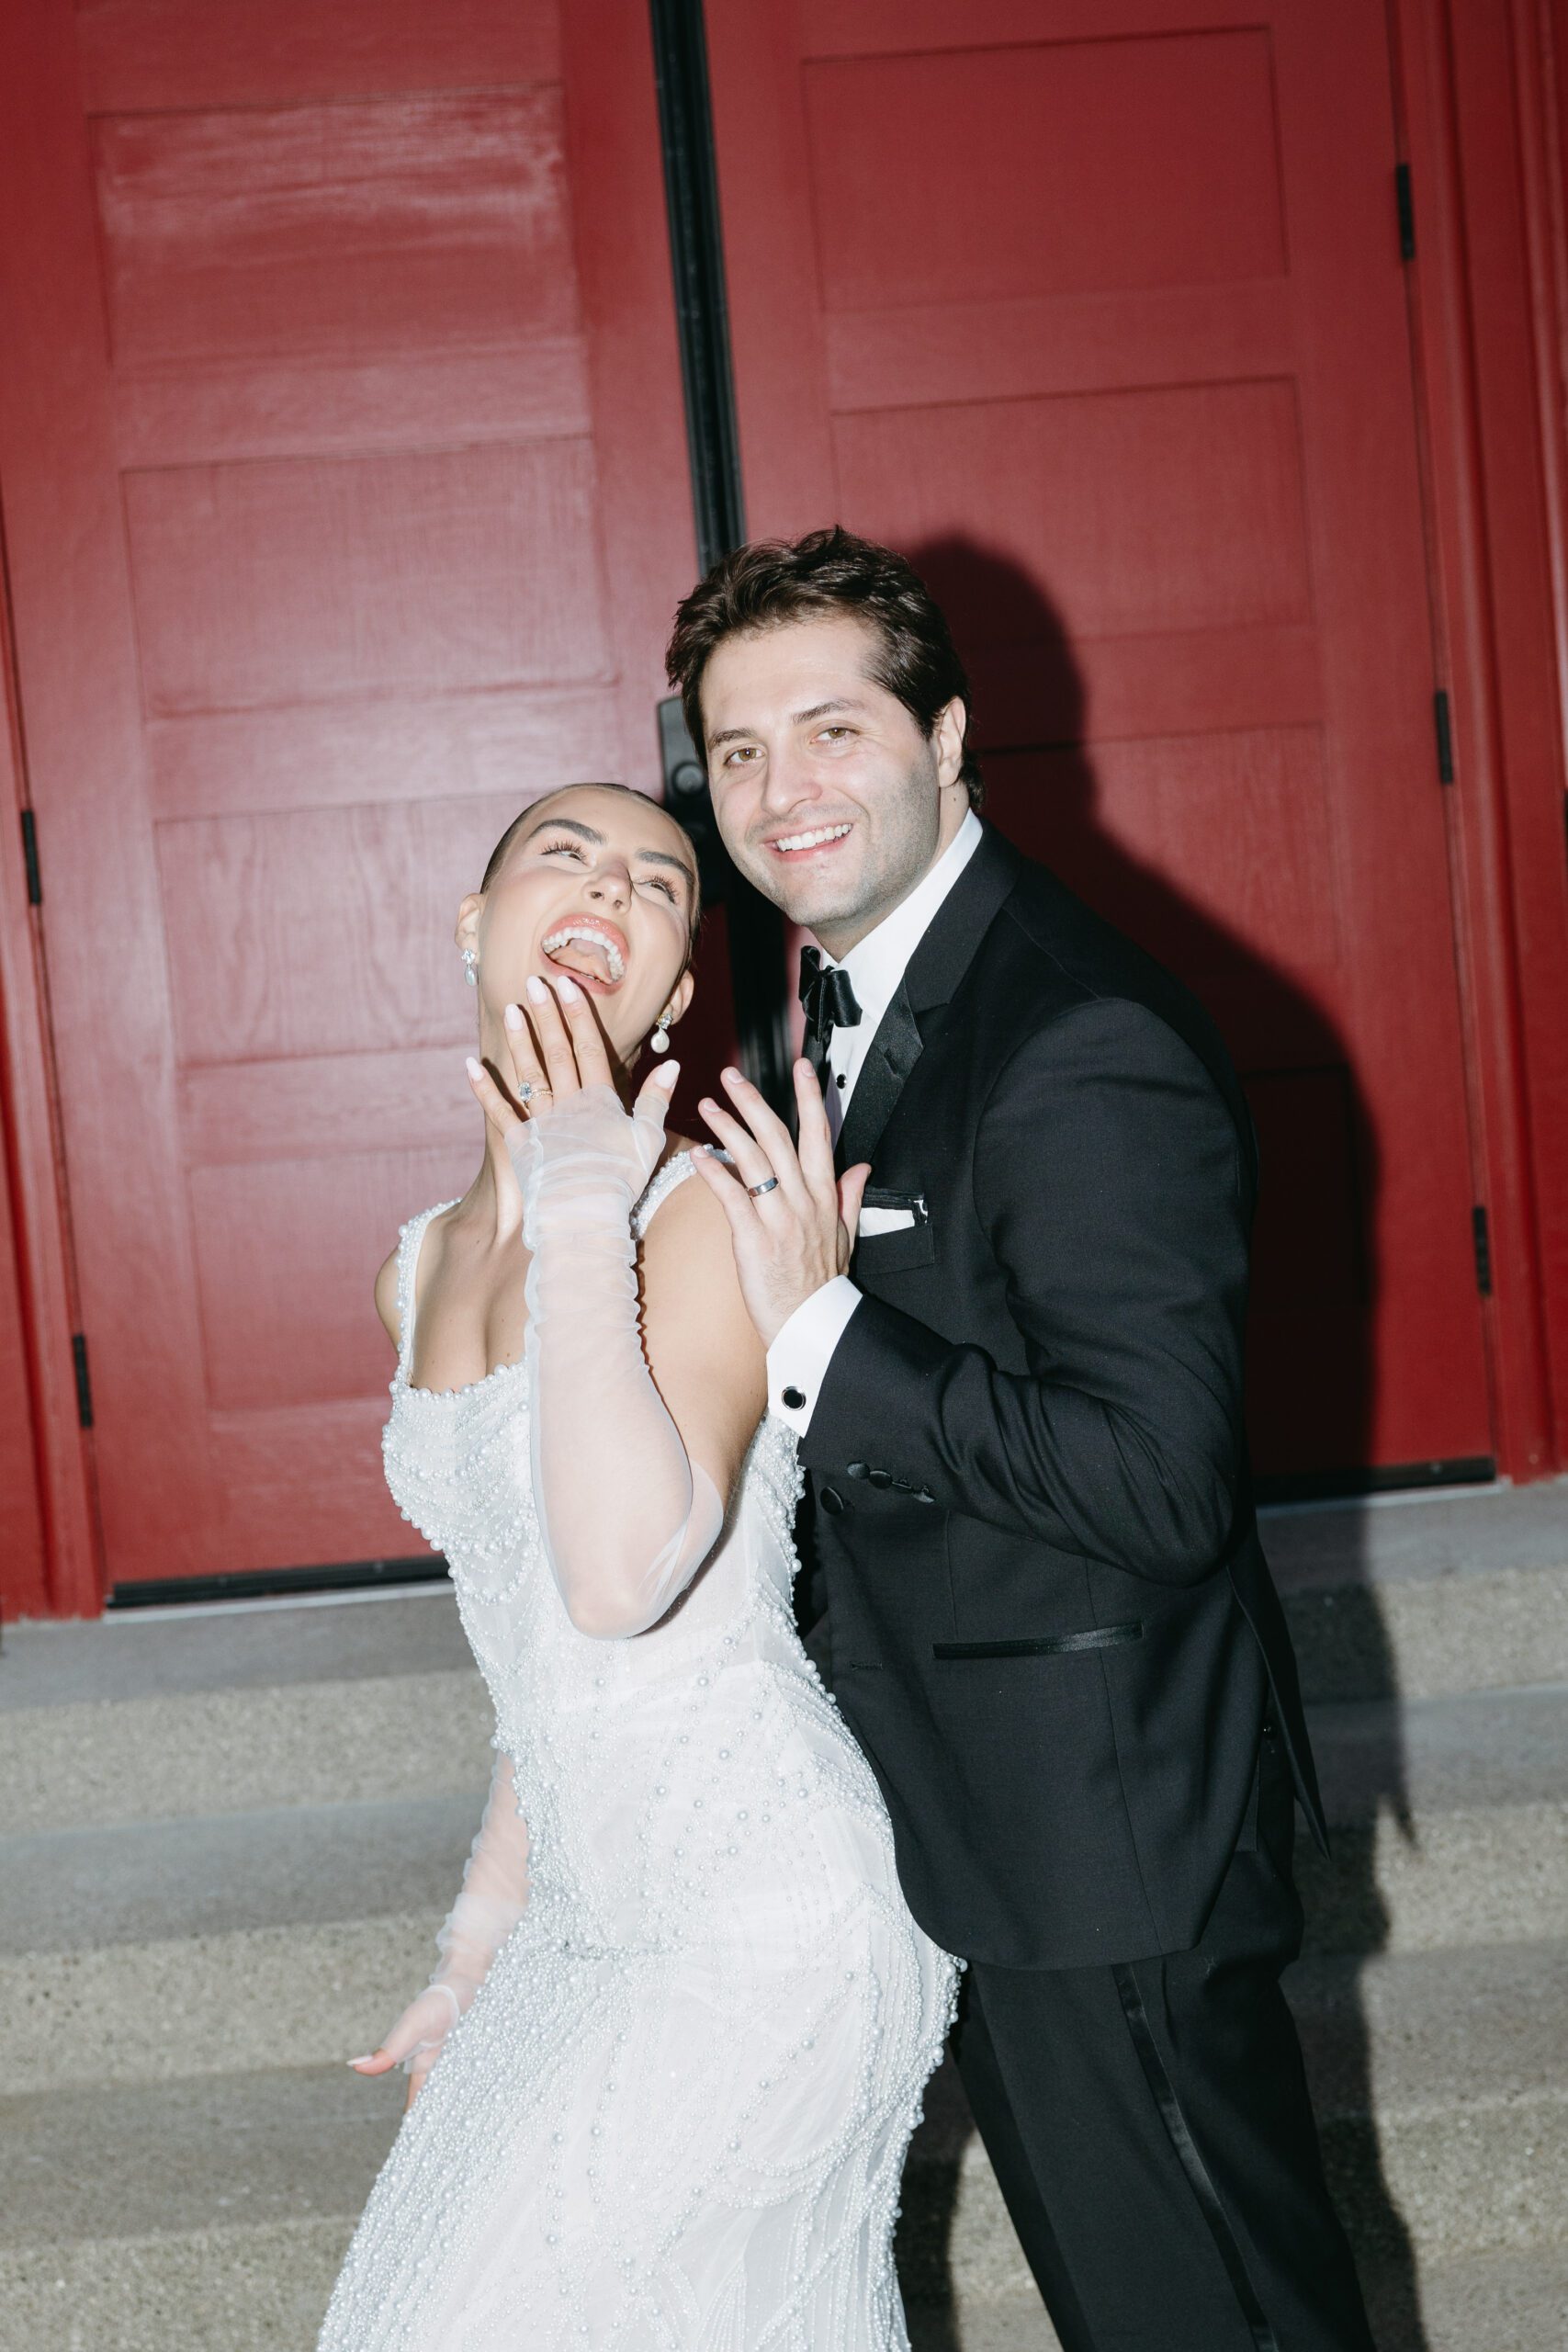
(768,1184)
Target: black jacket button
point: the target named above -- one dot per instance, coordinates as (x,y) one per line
(832,1501)
(880,1477)
(858,1470)
(794,1398)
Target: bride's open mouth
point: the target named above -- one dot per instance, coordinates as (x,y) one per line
(595,952)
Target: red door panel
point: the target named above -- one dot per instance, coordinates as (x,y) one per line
(1099,312)
(346,502)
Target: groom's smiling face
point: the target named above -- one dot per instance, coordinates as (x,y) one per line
(828,795)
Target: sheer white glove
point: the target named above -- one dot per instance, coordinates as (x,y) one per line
(493,1897)
(625,1516)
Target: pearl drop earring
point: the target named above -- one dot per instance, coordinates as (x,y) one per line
(471,967)
(659,1040)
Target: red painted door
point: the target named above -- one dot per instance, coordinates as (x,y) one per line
(1097,308)
(346,504)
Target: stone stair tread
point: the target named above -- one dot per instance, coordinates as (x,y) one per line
(1485,2303)
(1427,2029)
(262,2289)
(233,1646)
(1432,2030)
(90,1761)
(214,1873)
(288,2144)
(1512,2301)
(1468,1751)
(206,1874)
(1433,2033)
(1386,1538)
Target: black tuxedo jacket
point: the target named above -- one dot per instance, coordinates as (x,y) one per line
(1050,1623)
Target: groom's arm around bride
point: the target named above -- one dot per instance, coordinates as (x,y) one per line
(1050,1620)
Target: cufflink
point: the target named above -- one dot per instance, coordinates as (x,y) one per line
(794,1398)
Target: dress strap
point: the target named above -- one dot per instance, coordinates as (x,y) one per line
(410,1238)
(659,1186)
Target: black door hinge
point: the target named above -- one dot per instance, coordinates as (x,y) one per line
(1442,720)
(1405,204)
(1481,1235)
(29,859)
(84,1385)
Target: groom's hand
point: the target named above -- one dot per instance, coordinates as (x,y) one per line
(792,1219)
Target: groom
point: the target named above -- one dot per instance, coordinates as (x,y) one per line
(1049,1619)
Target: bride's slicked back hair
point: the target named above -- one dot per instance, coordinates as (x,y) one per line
(826,575)
(497,857)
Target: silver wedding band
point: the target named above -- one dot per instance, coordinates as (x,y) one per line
(767,1185)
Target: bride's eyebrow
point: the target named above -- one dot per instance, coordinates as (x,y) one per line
(565,825)
(662,858)
(587,833)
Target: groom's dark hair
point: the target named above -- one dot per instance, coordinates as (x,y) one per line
(828,574)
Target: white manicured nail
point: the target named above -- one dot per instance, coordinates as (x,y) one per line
(538,991)
(475,1070)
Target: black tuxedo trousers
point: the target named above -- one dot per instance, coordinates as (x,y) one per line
(1049,1622)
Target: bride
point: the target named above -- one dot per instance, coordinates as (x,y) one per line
(663,2078)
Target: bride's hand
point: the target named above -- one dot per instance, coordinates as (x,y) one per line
(415,2040)
(525,1090)
(563,1081)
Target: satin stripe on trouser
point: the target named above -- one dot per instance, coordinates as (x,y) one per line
(1150,2127)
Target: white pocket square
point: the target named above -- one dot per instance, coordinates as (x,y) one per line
(879,1220)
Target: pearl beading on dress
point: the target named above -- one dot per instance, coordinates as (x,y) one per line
(677,2111)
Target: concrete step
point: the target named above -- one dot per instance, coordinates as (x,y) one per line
(1450,1822)
(1450,1830)
(179,1711)
(1463,2058)
(233,2235)
(262,2289)
(168,1756)
(1421,1595)
(1487,2303)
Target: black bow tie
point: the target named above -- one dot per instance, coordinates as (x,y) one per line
(830,1002)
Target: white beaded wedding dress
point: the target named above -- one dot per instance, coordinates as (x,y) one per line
(676,2113)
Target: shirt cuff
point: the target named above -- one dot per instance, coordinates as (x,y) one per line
(798,1359)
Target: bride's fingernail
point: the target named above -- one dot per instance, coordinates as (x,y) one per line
(568,989)
(475,1070)
(539,993)
(362,2062)
(666,1075)
(513,1016)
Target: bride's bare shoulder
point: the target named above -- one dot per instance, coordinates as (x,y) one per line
(686,1216)
(387,1296)
(702,1344)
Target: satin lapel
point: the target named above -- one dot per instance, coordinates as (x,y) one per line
(937,966)
(891,1056)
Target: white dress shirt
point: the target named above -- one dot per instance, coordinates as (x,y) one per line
(798,1359)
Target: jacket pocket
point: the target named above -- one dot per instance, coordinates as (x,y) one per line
(1093,1637)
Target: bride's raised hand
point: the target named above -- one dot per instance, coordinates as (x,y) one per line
(523,1090)
(568,1092)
